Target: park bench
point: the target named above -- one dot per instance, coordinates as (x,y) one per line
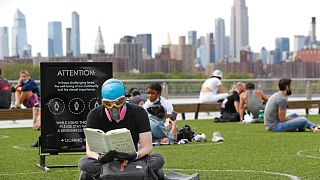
(15,114)
(215,107)
(20,114)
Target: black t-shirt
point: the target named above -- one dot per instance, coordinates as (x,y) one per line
(136,120)
(229,105)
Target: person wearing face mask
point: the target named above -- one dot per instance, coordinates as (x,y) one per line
(275,118)
(154,97)
(115,113)
(26,91)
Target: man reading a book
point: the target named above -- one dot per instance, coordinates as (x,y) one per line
(115,113)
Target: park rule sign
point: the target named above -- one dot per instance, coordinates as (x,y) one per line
(69,90)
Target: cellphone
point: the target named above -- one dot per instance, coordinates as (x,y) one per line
(173,116)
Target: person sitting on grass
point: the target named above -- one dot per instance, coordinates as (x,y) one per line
(26,91)
(252,100)
(275,118)
(156,114)
(154,97)
(5,93)
(115,113)
(230,106)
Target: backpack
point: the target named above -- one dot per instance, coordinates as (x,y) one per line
(137,170)
(186,133)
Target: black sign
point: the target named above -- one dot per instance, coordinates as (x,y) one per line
(68,92)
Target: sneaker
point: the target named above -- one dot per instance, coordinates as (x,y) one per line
(199,138)
(316,129)
(216,137)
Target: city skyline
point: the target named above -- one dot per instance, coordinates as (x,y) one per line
(268,20)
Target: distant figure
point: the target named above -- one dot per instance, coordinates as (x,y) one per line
(138,100)
(252,100)
(26,91)
(135,97)
(5,93)
(230,106)
(275,118)
(212,90)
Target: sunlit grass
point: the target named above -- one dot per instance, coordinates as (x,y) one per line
(249,152)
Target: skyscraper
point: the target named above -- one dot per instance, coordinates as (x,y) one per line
(54,39)
(68,42)
(127,48)
(220,38)
(239,35)
(20,46)
(146,41)
(75,34)
(192,37)
(4,42)
(283,45)
(299,42)
(264,54)
(99,45)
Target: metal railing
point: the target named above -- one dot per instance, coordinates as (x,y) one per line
(307,88)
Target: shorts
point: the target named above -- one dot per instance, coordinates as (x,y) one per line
(32,101)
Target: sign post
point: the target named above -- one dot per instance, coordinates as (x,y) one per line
(69,91)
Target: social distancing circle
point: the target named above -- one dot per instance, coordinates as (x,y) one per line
(236,171)
(23,147)
(3,136)
(171,169)
(306,153)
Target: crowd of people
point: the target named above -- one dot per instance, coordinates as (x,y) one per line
(151,119)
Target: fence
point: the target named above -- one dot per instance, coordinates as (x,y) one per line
(189,88)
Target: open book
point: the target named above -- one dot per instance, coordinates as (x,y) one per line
(117,139)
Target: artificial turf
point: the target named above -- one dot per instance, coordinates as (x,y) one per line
(249,152)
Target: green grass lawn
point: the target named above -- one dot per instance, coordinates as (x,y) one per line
(249,152)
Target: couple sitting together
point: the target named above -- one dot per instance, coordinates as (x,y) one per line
(233,105)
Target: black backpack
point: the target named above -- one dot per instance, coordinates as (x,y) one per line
(186,133)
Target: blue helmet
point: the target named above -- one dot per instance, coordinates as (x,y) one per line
(112,89)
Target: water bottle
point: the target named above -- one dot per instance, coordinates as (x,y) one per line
(260,115)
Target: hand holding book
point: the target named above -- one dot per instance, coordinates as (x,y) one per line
(126,156)
(112,154)
(107,157)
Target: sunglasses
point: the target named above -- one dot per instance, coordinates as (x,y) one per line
(119,102)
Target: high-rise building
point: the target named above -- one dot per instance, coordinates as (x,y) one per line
(127,48)
(55,39)
(4,42)
(264,54)
(299,42)
(184,52)
(99,45)
(192,38)
(283,45)
(239,35)
(20,46)
(220,39)
(146,41)
(75,34)
(68,42)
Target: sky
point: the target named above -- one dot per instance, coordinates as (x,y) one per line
(268,19)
